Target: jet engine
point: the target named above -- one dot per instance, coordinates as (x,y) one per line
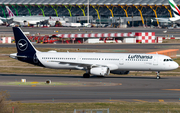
(100,71)
(120,72)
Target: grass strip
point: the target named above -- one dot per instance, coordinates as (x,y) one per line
(114,107)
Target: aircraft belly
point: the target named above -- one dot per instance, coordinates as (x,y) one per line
(58,66)
(140,67)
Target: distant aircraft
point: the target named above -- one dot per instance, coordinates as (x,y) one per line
(25,20)
(99,64)
(176,13)
(33,20)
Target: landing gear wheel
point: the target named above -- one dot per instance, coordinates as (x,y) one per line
(86,75)
(158,77)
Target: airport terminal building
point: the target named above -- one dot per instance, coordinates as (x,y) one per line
(137,12)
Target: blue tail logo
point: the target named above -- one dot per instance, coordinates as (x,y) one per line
(22,45)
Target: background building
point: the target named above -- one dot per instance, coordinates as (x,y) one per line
(103,11)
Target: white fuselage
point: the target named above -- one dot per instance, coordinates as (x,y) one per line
(29,19)
(115,61)
(33,20)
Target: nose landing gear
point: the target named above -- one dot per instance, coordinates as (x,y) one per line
(158,77)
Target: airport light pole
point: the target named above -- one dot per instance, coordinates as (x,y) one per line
(132,20)
(87,11)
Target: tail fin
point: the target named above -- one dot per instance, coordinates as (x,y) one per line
(23,45)
(26,51)
(11,14)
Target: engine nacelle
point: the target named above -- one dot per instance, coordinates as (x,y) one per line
(120,72)
(100,71)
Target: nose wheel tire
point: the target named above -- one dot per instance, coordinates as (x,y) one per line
(86,75)
(158,77)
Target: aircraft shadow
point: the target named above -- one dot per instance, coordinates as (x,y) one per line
(76,76)
(41,75)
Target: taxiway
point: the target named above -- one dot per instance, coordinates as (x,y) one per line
(128,88)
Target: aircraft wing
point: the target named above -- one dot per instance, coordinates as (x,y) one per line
(76,63)
(88,65)
(163,19)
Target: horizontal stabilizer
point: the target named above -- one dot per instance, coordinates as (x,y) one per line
(14,55)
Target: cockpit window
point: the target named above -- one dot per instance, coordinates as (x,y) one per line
(166,60)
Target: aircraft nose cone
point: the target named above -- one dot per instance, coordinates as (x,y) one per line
(176,65)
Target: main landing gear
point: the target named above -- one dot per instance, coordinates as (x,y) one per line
(86,75)
(158,77)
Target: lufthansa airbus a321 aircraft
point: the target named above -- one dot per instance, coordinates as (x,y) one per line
(99,64)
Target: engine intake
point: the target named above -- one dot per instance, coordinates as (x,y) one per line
(100,71)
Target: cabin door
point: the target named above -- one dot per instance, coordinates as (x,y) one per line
(155,60)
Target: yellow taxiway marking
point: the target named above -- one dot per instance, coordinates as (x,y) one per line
(172,89)
(33,86)
(139,100)
(160,100)
(34,82)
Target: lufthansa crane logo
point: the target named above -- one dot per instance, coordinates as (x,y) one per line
(22,45)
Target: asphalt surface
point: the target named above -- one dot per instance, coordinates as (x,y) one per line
(7,31)
(129,88)
(104,46)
